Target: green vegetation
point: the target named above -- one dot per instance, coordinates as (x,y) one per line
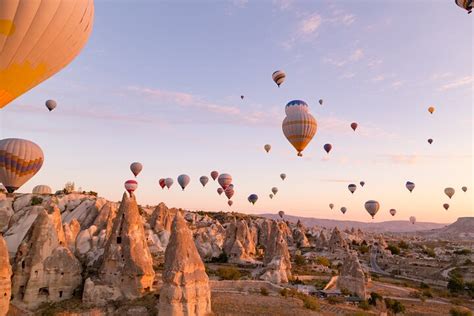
(459,312)
(335,300)
(393,249)
(364,305)
(36,200)
(300,260)
(374,297)
(403,245)
(395,306)
(463,252)
(228,273)
(323,261)
(429,252)
(363,249)
(264,291)
(221,259)
(456,284)
(311,303)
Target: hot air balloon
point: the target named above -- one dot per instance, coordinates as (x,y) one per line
(214,175)
(352,187)
(253,198)
(278,76)
(230,202)
(393,211)
(20,160)
(229,193)
(449,192)
(354,126)
(465,4)
(162,183)
(412,219)
(169,182)
(362,183)
(42,189)
(136,168)
(130,186)
(224,180)
(299,126)
(220,190)
(242,97)
(446,206)
(327,147)
(410,186)
(283,176)
(231,186)
(430,141)
(464,189)
(183,180)
(50,105)
(203,180)
(321,101)
(331,206)
(271,196)
(275,190)
(38,40)
(372,207)
(267,147)
(431,109)
(281,214)
(343,210)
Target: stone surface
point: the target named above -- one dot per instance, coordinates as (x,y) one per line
(239,243)
(5,275)
(185,288)
(337,241)
(277,258)
(352,276)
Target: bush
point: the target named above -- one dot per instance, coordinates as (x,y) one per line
(429,252)
(300,260)
(394,249)
(264,291)
(221,259)
(284,292)
(374,297)
(364,305)
(423,285)
(427,293)
(403,245)
(228,273)
(456,284)
(36,200)
(345,291)
(462,252)
(323,261)
(335,300)
(459,312)
(363,249)
(394,305)
(311,303)
(69,187)
(92,193)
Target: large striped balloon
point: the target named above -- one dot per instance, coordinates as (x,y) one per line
(20,160)
(42,189)
(299,126)
(37,39)
(224,180)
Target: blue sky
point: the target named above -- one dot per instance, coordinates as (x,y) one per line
(160,83)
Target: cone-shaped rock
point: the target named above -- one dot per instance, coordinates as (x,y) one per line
(185,288)
(352,277)
(127,262)
(5,274)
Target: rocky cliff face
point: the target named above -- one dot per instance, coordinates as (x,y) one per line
(337,241)
(45,270)
(239,242)
(5,275)
(277,258)
(185,288)
(352,276)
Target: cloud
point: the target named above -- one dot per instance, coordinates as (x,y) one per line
(339,17)
(283,4)
(378,78)
(338,180)
(310,25)
(460,82)
(397,84)
(347,75)
(374,62)
(437,76)
(342,126)
(413,159)
(355,56)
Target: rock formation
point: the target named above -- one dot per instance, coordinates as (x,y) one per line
(337,241)
(321,241)
(209,240)
(45,270)
(299,236)
(186,285)
(5,274)
(127,265)
(352,276)
(277,258)
(239,243)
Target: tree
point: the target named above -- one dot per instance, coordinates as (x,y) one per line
(69,187)
(456,284)
(300,260)
(393,249)
(374,297)
(403,244)
(395,306)
(458,312)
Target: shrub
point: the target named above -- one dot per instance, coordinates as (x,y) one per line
(345,291)
(456,284)
(264,291)
(364,305)
(221,259)
(423,285)
(311,303)
(69,187)
(462,252)
(459,312)
(284,292)
(394,249)
(92,193)
(429,252)
(228,273)
(394,305)
(374,297)
(335,300)
(403,245)
(363,249)
(36,200)
(427,293)
(323,261)
(300,260)
(468,262)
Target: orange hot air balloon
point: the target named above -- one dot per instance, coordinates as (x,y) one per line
(431,109)
(38,39)
(299,126)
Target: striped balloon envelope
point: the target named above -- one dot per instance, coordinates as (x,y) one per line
(42,189)
(299,126)
(38,39)
(278,77)
(20,160)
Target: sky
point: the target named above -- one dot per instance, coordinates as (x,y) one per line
(159,82)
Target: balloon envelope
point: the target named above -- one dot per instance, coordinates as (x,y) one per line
(20,160)
(321,101)
(220,190)
(42,189)
(464,189)
(136,168)
(327,147)
(430,141)
(50,105)
(38,39)
(283,176)
(278,77)
(281,214)
(299,126)
(131,186)
(169,182)
(271,196)
(449,192)
(183,180)
(229,193)
(267,147)
(331,206)
(224,180)
(446,206)
(230,202)
(431,109)
(343,210)
(362,183)
(412,219)
(352,187)
(275,190)
(214,175)
(372,207)
(253,198)
(354,125)
(203,180)
(162,183)
(393,212)
(410,186)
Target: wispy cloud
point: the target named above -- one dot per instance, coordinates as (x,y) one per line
(355,56)
(438,76)
(412,159)
(283,4)
(347,75)
(340,17)
(342,126)
(310,24)
(378,78)
(397,84)
(338,180)
(460,82)
(374,63)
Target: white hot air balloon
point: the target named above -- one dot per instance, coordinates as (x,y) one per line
(183,181)
(42,189)
(299,126)
(38,39)
(168,182)
(20,160)
(372,207)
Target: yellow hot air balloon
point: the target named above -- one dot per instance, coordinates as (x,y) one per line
(431,109)
(299,126)
(20,159)
(38,39)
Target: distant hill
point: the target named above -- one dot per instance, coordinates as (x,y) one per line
(389,226)
(463,228)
